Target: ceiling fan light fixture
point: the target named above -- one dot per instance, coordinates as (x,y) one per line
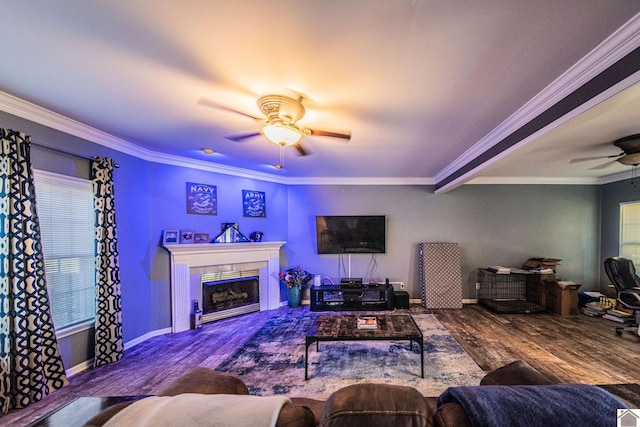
(631,159)
(282,133)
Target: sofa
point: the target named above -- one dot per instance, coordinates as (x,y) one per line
(510,394)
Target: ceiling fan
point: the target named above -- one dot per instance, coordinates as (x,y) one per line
(281,114)
(630,155)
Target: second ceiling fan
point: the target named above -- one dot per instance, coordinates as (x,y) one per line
(629,156)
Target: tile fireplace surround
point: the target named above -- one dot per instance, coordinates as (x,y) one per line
(190,261)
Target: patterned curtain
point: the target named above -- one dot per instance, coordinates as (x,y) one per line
(29,355)
(108,304)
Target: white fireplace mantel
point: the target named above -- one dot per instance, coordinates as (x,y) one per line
(222,257)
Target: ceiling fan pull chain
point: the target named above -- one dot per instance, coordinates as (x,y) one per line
(281,164)
(282,156)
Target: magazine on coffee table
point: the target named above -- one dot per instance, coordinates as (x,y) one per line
(367,322)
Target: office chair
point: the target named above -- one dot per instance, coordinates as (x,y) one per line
(622,274)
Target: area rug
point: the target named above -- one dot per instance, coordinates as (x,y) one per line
(272,361)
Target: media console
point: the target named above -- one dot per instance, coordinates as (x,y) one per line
(350,297)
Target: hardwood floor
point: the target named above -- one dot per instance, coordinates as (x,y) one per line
(578,349)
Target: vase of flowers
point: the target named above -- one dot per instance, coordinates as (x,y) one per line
(295,279)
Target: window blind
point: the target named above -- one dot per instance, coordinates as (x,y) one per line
(630,231)
(65,211)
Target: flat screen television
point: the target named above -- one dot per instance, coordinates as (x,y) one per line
(351,234)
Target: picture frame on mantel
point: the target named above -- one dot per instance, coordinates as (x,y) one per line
(186,236)
(201,238)
(170,237)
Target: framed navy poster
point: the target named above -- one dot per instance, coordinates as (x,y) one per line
(254,204)
(202,199)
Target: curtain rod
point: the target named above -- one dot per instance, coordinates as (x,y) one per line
(115,165)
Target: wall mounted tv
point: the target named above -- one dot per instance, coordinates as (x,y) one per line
(351,234)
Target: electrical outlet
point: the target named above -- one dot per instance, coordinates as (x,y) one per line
(397,285)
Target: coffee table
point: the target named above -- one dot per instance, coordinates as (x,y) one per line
(398,327)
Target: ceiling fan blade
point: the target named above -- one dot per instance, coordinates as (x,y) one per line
(242,137)
(301,150)
(315,132)
(604,165)
(209,103)
(586,159)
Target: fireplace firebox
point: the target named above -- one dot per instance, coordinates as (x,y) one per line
(229,294)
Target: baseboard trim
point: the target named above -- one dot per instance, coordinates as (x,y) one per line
(80,367)
(88,364)
(142,338)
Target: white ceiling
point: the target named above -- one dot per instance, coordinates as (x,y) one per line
(421,84)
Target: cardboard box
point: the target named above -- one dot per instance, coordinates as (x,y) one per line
(541,264)
(565,299)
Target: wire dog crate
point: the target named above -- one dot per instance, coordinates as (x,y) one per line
(509,293)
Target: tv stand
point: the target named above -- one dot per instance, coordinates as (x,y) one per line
(357,298)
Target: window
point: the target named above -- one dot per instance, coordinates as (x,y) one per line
(65,211)
(630,231)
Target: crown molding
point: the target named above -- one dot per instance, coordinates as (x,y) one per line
(500,180)
(173,160)
(359,181)
(532,180)
(615,47)
(620,176)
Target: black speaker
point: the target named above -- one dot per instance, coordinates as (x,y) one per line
(402,299)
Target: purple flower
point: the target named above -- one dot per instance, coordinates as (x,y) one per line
(294,276)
